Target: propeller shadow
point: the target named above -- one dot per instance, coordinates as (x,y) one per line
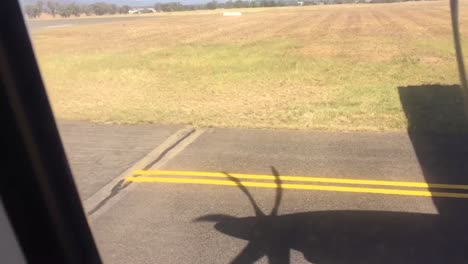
(341,236)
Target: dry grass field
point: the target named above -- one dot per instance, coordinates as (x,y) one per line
(321,67)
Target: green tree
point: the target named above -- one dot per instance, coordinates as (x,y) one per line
(35,10)
(124,9)
(64,11)
(146,11)
(40,7)
(238,4)
(212,5)
(86,9)
(112,9)
(228,4)
(74,9)
(30,11)
(52,7)
(100,8)
(158,7)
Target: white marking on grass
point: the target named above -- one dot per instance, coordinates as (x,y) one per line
(60,26)
(232,14)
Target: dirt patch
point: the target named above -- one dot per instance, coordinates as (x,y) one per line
(430,60)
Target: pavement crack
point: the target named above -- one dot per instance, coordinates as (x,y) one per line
(122,184)
(164,153)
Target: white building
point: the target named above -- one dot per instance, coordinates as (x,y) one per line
(142,10)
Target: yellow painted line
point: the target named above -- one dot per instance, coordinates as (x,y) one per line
(302,178)
(299,187)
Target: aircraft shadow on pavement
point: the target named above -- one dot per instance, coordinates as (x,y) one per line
(341,236)
(437,126)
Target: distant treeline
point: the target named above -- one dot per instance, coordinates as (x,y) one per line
(66,10)
(176,6)
(71,9)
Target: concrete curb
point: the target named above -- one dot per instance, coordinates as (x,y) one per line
(103,196)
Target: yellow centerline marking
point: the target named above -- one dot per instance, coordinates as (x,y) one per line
(302,178)
(299,187)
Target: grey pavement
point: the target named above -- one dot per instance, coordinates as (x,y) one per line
(36,24)
(157,223)
(384,156)
(188,223)
(98,153)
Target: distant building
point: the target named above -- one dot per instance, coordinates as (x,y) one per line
(142,10)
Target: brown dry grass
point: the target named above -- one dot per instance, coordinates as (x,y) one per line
(322,67)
